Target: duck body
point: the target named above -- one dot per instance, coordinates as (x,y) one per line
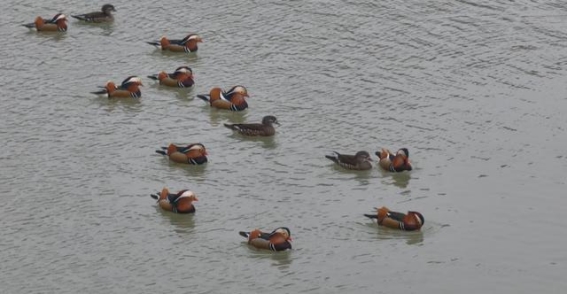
(233,99)
(412,221)
(182,77)
(180,202)
(360,161)
(398,162)
(130,88)
(264,129)
(278,240)
(56,24)
(105,15)
(188,44)
(195,154)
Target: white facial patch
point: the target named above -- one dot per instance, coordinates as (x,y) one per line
(187,194)
(196,147)
(134,80)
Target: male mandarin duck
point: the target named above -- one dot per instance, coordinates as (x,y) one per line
(130,87)
(180,202)
(104,15)
(278,240)
(187,44)
(233,99)
(264,129)
(360,161)
(57,24)
(394,163)
(190,154)
(182,77)
(412,221)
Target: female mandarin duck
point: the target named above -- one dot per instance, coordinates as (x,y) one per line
(130,87)
(180,202)
(104,15)
(233,99)
(181,78)
(264,129)
(190,154)
(187,44)
(57,24)
(394,163)
(412,221)
(360,161)
(278,240)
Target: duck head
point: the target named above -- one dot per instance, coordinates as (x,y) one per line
(362,156)
(107,8)
(270,119)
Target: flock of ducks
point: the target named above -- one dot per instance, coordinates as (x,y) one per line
(233,99)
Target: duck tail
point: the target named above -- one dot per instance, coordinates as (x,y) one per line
(100,92)
(30,25)
(333,157)
(244,234)
(204,97)
(371,216)
(79,17)
(162,151)
(155,196)
(154,43)
(153,77)
(230,126)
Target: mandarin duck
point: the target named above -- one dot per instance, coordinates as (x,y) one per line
(412,221)
(233,99)
(278,240)
(56,24)
(182,77)
(98,16)
(264,129)
(187,44)
(130,87)
(191,154)
(394,163)
(180,202)
(360,161)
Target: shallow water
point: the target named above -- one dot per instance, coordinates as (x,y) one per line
(475,90)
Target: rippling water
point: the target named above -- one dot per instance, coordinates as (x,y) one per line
(475,90)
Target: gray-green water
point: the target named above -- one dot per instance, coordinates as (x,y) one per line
(474,89)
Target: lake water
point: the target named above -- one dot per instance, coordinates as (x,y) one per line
(474,89)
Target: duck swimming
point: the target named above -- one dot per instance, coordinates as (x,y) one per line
(233,99)
(191,154)
(412,221)
(56,24)
(394,162)
(278,240)
(265,129)
(180,202)
(104,15)
(360,161)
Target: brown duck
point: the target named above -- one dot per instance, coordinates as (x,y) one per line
(412,221)
(187,44)
(191,154)
(104,15)
(265,129)
(130,88)
(360,161)
(234,99)
(180,202)
(57,24)
(394,162)
(181,78)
